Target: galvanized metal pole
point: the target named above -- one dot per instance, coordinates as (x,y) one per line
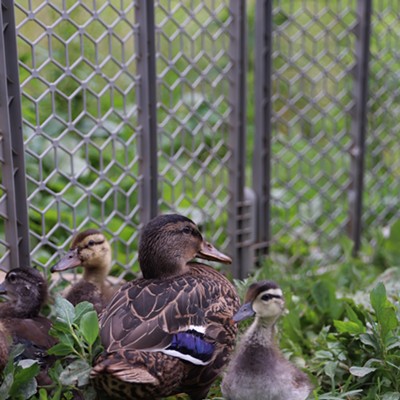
(13,163)
(359,121)
(262,139)
(147,110)
(238,54)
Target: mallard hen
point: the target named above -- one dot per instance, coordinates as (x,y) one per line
(258,370)
(91,250)
(170,331)
(20,322)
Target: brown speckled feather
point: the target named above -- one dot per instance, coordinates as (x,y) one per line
(139,318)
(144,314)
(172,330)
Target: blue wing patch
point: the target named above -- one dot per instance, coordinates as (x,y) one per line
(191,346)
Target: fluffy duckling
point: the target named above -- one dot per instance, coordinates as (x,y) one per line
(171,331)
(258,370)
(26,292)
(91,250)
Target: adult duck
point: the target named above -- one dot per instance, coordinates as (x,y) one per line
(170,331)
(258,370)
(91,250)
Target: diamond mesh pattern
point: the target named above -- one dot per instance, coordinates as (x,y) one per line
(312,60)
(79,86)
(193,111)
(382,179)
(78,80)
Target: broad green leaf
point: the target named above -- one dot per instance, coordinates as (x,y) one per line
(384,310)
(378,298)
(373,361)
(59,326)
(323,355)
(349,327)
(24,385)
(330,369)
(369,340)
(81,309)
(351,314)
(76,373)
(90,326)
(64,310)
(6,384)
(388,320)
(361,371)
(66,339)
(61,349)
(324,294)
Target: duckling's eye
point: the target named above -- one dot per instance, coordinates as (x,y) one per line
(91,243)
(187,230)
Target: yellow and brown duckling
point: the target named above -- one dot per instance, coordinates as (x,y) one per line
(91,250)
(20,322)
(171,331)
(258,370)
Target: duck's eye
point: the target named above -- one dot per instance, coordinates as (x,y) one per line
(91,243)
(12,278)
(187,230)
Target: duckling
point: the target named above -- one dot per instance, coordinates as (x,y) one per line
(171,331)
(258,369)
(26,291)
(91,250)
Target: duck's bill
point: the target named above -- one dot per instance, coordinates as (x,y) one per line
(70,260)
(246,311)
(209,252)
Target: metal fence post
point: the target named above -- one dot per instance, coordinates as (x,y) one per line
(359,120)
(262,139)
(14,210)
(147,110)
(238,135)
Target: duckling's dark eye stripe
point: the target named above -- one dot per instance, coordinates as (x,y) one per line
(92,244)
(270,296)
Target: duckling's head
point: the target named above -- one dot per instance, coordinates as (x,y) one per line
(169,242)
(26,290)
(89,249)
(264,300)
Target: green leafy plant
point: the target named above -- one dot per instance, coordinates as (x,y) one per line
(19,381)
(77,329)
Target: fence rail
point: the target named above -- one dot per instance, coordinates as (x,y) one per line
(252,117)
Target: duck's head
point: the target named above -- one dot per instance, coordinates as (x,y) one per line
(169,242)
(264,300)
(26,291)
(89,249)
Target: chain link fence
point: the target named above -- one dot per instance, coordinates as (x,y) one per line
(134,108)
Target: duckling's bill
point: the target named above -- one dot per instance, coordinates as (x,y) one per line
(246,311)
(70,260)
(3,289)
(209,252)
